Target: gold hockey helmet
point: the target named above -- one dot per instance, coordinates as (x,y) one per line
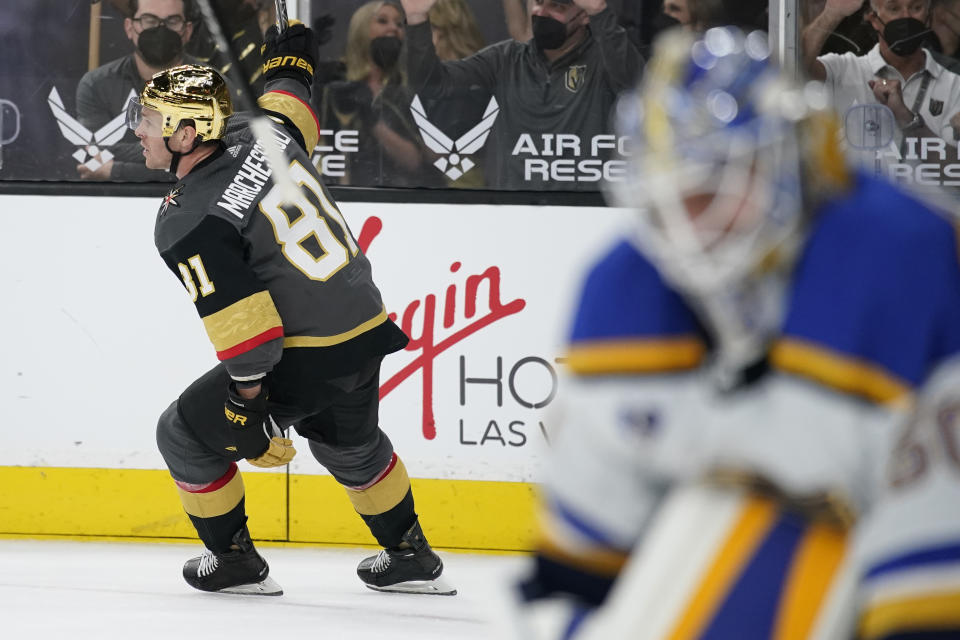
(189,92)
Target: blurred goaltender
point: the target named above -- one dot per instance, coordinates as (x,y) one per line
(555,92)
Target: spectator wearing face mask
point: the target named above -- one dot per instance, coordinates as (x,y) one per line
(158,30)
(900,73)
(375,102)
(555,92)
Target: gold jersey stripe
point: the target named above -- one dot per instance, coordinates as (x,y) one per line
(326,341)
(242,321)
(813,569)
(635,356)
(602,562)
(298,111)
(215,503)
(755,521)
(931,612)
(384,495)
(839,371)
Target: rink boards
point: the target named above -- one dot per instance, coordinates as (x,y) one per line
(100,338)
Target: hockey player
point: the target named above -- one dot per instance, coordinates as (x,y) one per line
(740,369)
(288,301)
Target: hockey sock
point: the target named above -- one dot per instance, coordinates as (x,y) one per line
(215,508)
(386,503)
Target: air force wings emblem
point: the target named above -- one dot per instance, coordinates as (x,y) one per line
(453,161)
(89,142)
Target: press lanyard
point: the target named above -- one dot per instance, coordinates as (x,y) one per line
(921,94)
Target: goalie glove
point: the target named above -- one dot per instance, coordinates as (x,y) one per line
(257,436)
(290,54)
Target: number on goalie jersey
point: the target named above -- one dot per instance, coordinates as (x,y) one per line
(724,424)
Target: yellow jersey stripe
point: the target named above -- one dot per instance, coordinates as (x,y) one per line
(299,113)
(242,321)
(939,611)
(635,356)
(814,566)
(326,341)
(839,371)
(756,520)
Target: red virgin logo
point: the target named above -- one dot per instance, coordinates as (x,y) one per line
(420,318)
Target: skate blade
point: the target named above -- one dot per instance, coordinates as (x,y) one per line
(268,587)
(438,587)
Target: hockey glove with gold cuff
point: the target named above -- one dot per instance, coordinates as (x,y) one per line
(290,54)
(257,436)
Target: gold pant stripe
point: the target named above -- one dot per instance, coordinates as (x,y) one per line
(756,519)
(214,503)
(937,611)
(384,495)
(812,571)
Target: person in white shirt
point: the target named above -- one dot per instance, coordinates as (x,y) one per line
(919,146)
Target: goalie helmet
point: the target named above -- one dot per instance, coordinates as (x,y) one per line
(188,92)
(724,157)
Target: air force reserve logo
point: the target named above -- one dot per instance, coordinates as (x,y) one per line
(575,76)
(453,161)
(89,142)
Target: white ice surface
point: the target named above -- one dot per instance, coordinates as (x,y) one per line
(108,590)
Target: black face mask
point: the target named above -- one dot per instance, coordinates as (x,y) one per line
(549,33)
(159,46)
(385,51)
(904,35)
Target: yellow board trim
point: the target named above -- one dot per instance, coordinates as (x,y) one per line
(326,341)
(635,356)
(215,503)
(298,112)
(937,611)
(241,321)
(814,567)
(384,495)
(755,521)
(143,504)
(839,371)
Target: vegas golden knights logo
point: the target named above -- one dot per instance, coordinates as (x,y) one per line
(575,76)
(936,107)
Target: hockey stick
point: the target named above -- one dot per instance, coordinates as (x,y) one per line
(282,22)
(261,125)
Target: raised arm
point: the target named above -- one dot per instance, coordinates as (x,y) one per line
(289,62)
(430,77)
(816,33)
(621,58)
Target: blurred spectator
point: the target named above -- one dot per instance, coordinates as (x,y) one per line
(246,22)
(375,102)
(555,92)
(898,73)
(158,30)
(457,36)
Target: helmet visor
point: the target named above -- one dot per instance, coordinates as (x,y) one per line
(144,119)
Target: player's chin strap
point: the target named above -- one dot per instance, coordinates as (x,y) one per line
(175,161)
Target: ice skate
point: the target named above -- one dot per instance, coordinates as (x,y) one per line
(241,570)
(411,568)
